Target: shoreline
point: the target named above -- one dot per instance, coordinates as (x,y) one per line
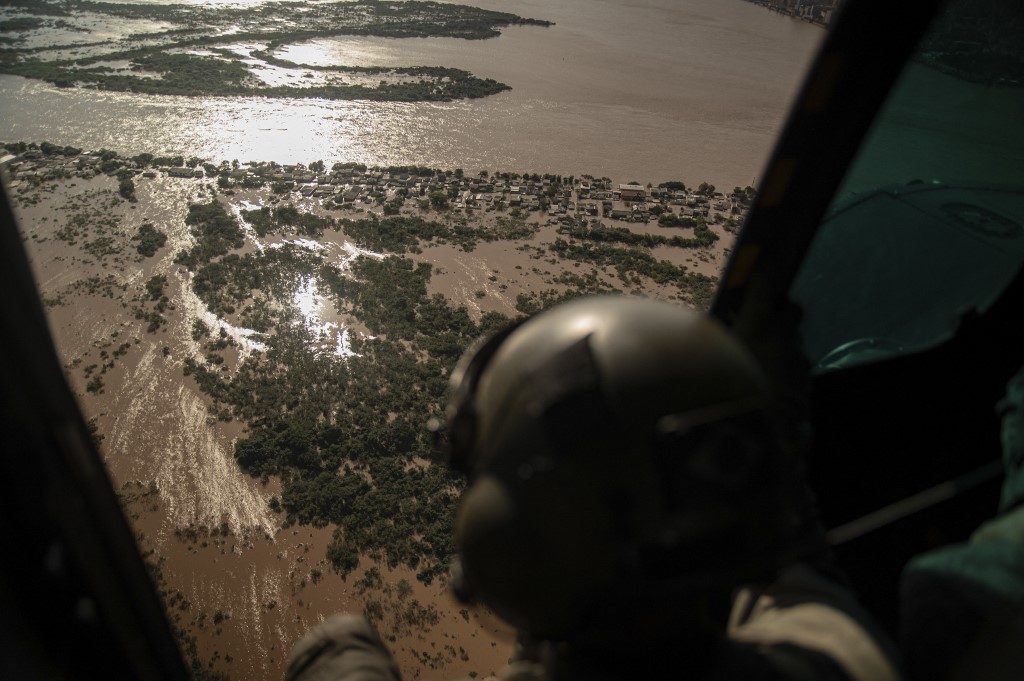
(819,14)
(204,165)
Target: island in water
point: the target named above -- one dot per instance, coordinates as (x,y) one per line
(229,51)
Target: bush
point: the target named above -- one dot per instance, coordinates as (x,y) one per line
(439,200)
(150,239)
(155,286)
(95,385)
(215,230)
(343,558)
(126,188)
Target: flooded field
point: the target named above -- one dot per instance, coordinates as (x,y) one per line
(157,359)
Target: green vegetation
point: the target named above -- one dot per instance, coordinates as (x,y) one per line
(669,219)
(402,234)
(702,236)
(346,435)
(19,24)
(286,220)
(578,286)
(393,605)
(362,17)
(54,149)
(95,385)
(215,232)
(343,558)
(154,292)
(150,239)
(696,288)
(674,185)
(816,11)
(208,76)
(101,247)
(396,234)
(155,286)
(126,188)
(225,282)
(438,200)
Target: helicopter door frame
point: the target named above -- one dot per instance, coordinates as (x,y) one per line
(860,60)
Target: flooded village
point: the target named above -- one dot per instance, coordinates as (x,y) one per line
(351,185)
(237,331)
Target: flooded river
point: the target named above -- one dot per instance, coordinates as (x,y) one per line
(649,89)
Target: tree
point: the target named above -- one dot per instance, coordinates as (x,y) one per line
(126,188)
(155,286)
(439,200)
(706,188)
(674,185)
(343,557)
(150,239)
(317,166)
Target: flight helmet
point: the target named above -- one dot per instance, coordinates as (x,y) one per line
(609,442)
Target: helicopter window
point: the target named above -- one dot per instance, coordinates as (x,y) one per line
(263,233)
(929,221)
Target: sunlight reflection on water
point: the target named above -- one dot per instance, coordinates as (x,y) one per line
(700,96)
(309,303)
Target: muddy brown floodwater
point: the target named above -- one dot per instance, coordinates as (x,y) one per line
(650,90)
(239,581)
(646,90)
